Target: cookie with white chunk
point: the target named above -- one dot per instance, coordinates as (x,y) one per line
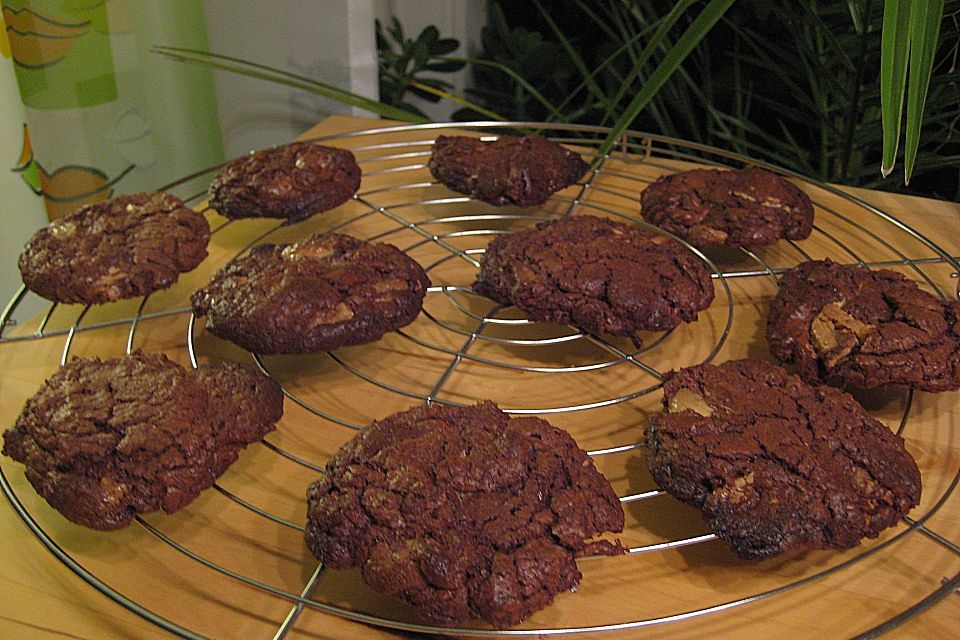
(713,208)
(324,292)
(106,440)
(115,249)
(855,327)
(777,465)
(294,182)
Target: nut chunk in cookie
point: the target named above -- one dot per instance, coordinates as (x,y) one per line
(711,208)
(116,249)
(777,465)
(294,182)
(523,171)
(324,292)
(854,327)
(105,440)
(597,274)
(463,512)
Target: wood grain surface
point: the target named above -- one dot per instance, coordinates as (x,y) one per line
(41,598)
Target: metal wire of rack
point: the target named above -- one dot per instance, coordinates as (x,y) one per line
(427,216)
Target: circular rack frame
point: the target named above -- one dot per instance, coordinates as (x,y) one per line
(663,153)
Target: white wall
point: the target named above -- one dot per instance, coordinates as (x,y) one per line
(331,40)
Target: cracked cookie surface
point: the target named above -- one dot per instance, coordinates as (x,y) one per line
(294,182)
(463,512)
(105,440)
(120,248)
(777,465)
(324,292)
(597,274)
(523,171)
(712,208)
(850,326)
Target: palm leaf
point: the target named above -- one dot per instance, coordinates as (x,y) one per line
(271,74)
(440,93)
(578,62)
(677,54)
(924,32)
(597,20)
(493,64)
(665,25)
(894,49)
(606,63)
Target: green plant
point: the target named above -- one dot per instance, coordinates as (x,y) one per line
(403,64)
(791,83)
(828,109)
(910,32)
(639,59)
(521,74)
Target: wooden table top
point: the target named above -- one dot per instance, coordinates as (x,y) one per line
(43,599)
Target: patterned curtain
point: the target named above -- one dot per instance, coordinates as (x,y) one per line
(21,211)
(101,114)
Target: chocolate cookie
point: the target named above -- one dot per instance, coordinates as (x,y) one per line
(105,440)
(293,182)
(710,208)
(318,294)
(597,274)
(523,171)
(462,512)
(120,248)
(850,326)
(777,465)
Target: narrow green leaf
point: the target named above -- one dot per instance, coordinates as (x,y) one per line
(458,100)
(665,25)
(855,16)
(423,95)
(270,74)
(894,47)
(396,30)
(626,46)
(411,108)
(200,56)
(539,97)
(382,42)
(597,20)
(578,62)
(677,54)
(924,33)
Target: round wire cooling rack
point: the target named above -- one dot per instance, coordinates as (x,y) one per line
(464,348)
